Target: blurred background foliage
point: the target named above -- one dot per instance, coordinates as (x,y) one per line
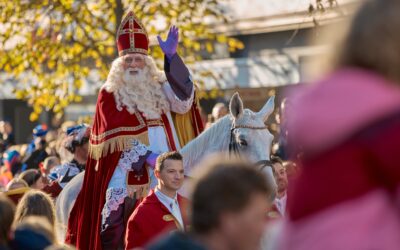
(50,48)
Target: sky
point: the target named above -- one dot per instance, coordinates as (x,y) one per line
(243,9)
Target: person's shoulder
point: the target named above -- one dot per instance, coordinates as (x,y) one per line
(104,94)
(106,101)
(150,205)
(176,240)
(183,199)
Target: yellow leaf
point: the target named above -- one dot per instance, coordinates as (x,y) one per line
(78,83)
(63,102)
(33,117)
(19,94)
(221,39)
(240,45)
(57,108)
(172,13)
(209,47)
(110,51)
(98,63)
(7,68)
(196,46)
(78,98)
(51,64)
(37,109)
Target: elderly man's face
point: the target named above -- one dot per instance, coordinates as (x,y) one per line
(133,63)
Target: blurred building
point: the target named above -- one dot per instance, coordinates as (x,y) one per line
(276,35)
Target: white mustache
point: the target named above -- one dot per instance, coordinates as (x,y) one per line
(136,78)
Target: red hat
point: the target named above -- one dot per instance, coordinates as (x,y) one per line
(131,36)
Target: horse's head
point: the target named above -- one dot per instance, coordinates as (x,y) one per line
(242,132)
(250,133)
(250,137)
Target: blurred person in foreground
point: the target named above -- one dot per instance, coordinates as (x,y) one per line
(163,210)
(229,205)
(32,233)
(348,125)
(7,210)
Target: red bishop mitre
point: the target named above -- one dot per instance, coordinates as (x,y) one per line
(131,36)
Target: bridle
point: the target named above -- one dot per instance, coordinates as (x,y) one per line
(234,145)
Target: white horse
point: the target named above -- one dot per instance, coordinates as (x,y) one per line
(242,132)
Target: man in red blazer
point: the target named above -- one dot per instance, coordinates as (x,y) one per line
(163,210)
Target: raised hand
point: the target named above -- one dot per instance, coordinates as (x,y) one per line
(169,46)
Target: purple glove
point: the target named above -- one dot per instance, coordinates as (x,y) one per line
(169,46)
(151,160)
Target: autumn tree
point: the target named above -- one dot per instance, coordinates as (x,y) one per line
(51,46)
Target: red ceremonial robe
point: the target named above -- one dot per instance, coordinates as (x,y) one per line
(112,132)
(151,219)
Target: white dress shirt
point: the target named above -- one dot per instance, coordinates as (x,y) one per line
(281,204)
(171,204)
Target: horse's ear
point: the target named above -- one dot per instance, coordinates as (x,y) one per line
(236,106)
(267,109)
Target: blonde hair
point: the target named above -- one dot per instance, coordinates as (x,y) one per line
(138,98)
(16,183)
(373,40)
(35,202)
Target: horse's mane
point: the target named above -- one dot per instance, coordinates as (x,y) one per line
(212,139)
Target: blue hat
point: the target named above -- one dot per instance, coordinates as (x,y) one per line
(76,135)
(40,130)
(9,155)
(74,129)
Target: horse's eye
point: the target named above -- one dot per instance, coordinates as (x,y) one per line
(243,142)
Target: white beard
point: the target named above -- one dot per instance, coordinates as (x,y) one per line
(141,92)
(138,92)
(135,79)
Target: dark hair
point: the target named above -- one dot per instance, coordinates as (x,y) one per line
(174,155)
(276,159)
(7,210)
(50,161)
(72,147)
(228,187)
(30,176)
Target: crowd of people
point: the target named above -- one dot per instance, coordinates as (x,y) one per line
(335,171)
